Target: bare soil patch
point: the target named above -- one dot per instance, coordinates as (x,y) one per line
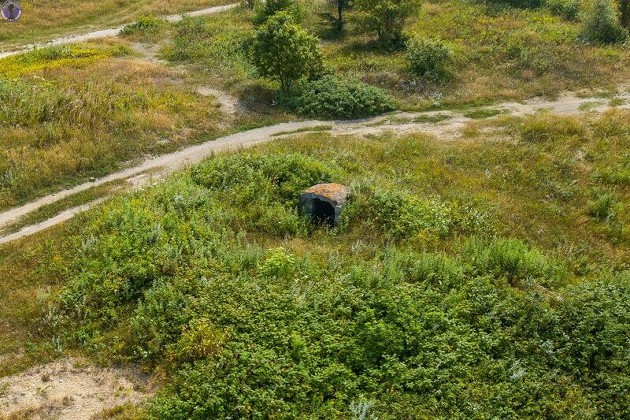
(69,389)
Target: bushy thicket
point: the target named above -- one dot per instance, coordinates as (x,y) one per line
(187,276)
(568,9)
(266,9)
(334,97)
(519,3)
(144,26)
(284,51)
(386,18)
(600,23)
(429,58)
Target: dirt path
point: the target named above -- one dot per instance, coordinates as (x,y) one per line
(106,33)
(69,389)
(230,105)
(445,125)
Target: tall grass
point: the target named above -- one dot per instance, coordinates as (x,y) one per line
(60,125)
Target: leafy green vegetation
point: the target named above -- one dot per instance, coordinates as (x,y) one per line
(331,97)
(466,279)
(282,50)
(497,54)
(386,18)
(601,23)
(429,58)
(457,284)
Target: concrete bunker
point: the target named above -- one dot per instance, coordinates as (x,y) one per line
(324,202)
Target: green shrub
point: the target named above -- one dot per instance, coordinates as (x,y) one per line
(333,97)
(604,207)
(386,18)
(284,51)
(145,25)
(402,216)
(429,58)
(266,9)
(525,4)
(568,9)
(280,177)
(512,260)
(600,23)
(546,128)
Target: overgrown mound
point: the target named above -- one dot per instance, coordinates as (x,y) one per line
(189,277)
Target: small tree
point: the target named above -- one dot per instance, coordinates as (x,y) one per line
(386,17)
(284,51)
(624,8)
(429,58)
(342,6)
(266,9)
(601,23)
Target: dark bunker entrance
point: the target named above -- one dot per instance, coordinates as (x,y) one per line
(323,213)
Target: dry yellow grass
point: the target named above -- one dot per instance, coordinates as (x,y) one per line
(42,19)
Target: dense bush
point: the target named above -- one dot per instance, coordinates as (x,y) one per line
(333,97)
(568,9)
(429,58)
(513,261)
(519,3)
(386,18)
(285,51)
(600,23)
(145,25)
(268,8)
(401,216)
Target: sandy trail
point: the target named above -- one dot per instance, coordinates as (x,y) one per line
(229,104)
(449,128)
(106,33)
(69,389)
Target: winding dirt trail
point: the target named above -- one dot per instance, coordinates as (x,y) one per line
(449,128)
(106,33)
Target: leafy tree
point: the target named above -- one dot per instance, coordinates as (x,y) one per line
(342,6)
(624,8)
(387,17)
(269,8)
(601,23)
(284,51)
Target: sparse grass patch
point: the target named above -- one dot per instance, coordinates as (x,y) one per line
(483,113)
(589,106)
(145,28)
(67,203)
(42,21)
(615,102)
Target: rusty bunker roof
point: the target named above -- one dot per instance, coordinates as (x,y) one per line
(334,192)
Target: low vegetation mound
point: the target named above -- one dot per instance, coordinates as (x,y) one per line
(333,97)
(411,306)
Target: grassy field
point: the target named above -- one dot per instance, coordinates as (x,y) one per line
(500,54)
(134,108)
(74,112)
(43,20)
(484,277)
(472,278)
